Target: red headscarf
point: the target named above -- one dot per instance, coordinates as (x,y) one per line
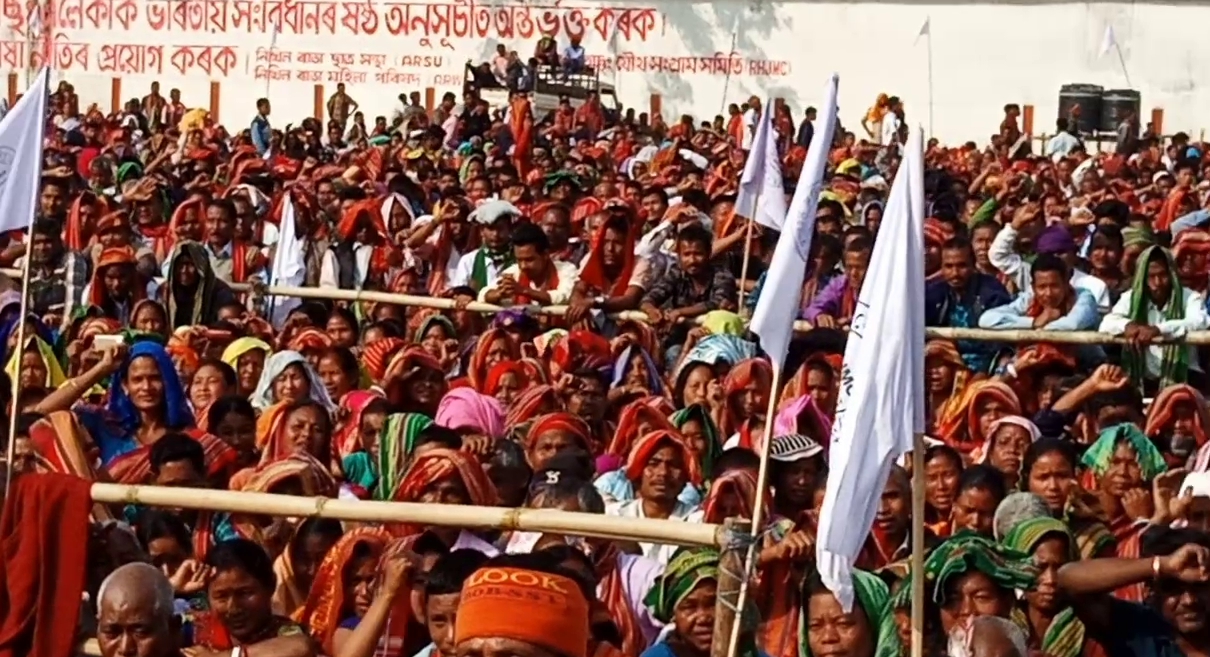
(491,386)
(346,439)
(113,256)
(741,375)
(651,410)
(565,422)
(384,254)
(648,444)
(434,466)
(477,370)
(535,401)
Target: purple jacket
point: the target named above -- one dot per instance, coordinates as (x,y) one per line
(827,300)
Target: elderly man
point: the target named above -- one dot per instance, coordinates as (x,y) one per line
(135,614)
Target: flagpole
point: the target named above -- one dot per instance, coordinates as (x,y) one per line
(743,269)
(930,82)
(917,565)
(758,513)
(16,382)
(1122,60)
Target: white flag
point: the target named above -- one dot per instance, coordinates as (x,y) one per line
(881,401)
(926,30)
(289,265)
(761,195)
(21,136)
(781,294)
(1109,41)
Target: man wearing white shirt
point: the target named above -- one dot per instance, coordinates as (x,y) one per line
(1053,239)
(481,268)
(891,123)
(1063,143)
(536,277)
(1169,310)
(751,118)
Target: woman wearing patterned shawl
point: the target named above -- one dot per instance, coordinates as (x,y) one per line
(986,573)
(311,343)
(637,418)
(298,474)
(684,597)
(133,288)
(1008,439)
(868,630)
(442,476)
(535,401)
(698,428)
(136,406)
(551,433)
(1177,423)
(816,377)
(344,589)
(506,381)
(1161,296)
(378,354)
(1191,252)
(746,393)
(414,382)
(732,495)
(493,346)
(965,425)
(432,333)
(300,560)
(635,370)
(1121,463)
(394,447)
(1039,369)
(947,377)
(288,428)
(60,444)
(1052,626)
(347,438)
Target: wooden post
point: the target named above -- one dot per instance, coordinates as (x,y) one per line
(214,100)
(430,99)
(657,104)
(115,95)
(12,89)
(1027,121)
(317,110)
(731,563)
(1157,120)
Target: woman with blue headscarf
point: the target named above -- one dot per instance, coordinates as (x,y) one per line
(146,402)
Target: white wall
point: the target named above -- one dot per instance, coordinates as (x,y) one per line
(984,55)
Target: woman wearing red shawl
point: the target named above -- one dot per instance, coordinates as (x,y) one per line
(186,222)
(311,343)
(552,433)
(983,402)
(1040,368)
(946,376)
(414,382)
(79,230)
(732,495)
(639,417)
(609,270)
(298,474)
(344,591)
(1191,253)
(1177,423)
(378,354)
(347,437)
(1180,201)
(735,126)
(442,476)
(61,445)
(746,393)
(506,381)
(116,285)
(288,428)
(493,346)
(536,400)
(521,122)
(815,377)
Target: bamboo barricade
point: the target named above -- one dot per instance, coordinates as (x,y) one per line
(445,515)
(800,326)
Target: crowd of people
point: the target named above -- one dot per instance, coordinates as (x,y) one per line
(1067,485)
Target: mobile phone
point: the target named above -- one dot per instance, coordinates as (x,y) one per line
(103,342)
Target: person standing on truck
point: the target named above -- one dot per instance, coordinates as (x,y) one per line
(574,57)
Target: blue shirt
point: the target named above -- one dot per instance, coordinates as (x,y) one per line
(260,133)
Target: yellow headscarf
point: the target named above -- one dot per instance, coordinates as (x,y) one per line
(54,372)
(242,346)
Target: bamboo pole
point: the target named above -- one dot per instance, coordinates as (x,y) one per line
(918,504)
(800,326)
(730,571)
(445,515)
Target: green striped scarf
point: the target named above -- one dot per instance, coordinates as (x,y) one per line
(1174,367)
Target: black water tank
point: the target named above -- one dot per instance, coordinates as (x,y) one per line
(1088,98)
(1116,104)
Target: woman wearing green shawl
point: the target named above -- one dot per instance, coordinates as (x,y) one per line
(396,444)
(699,430)
(1049,622)
(868,630)
(1122,464)
(1156,305)
(968,575)
(684,597)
